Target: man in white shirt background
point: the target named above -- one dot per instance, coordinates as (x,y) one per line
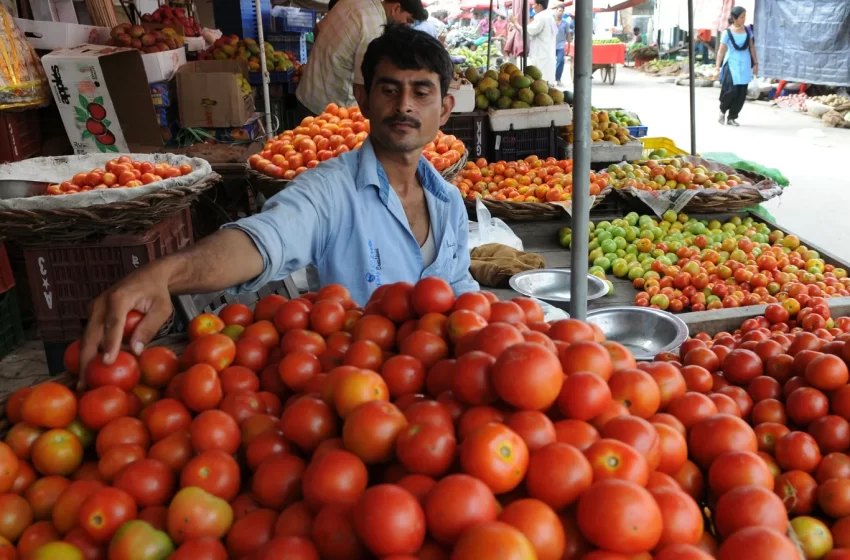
(334,67)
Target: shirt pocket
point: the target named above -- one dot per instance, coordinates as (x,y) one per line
(446,261)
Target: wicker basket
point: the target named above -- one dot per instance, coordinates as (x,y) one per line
(451,172)
(267,186)
(127,216)
(706,202)
(526,211)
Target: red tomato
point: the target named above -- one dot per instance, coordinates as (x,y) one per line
(534,427)
(125,430)
(749,506)
(389,520)
(208,548)
(194,513)
(277,481)
(427,449)
(496,455)
(158,366)
(610,458)
(558,474)
(49,405)
(105,511)
(174,450)
(528,376)
(711,437)
(308,421)
(335,477)
(124,372)
(251,533)
(632,527)
(17,516)
(682,518)
(116,458)
(100,406)
(165,417)
(55,452)
(456,503)
(758,543)
(214,429)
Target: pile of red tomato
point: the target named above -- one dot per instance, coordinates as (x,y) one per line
(528,180)
(119,173)
(425,426)
(334,132)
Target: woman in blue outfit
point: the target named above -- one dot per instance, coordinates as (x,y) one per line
(736,64)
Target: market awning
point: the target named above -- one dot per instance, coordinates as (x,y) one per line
(480,5)
(608,6)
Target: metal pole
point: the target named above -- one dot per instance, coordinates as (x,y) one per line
(525,41)
(581,158)
(489,34)
(691,85)
(268,106)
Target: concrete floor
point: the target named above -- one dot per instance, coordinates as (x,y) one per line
(816,204)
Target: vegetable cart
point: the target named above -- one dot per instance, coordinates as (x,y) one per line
(606,57)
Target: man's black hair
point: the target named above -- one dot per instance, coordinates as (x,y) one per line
(331,4)
(414,8)
(408,49)
(637,29)
(544,3)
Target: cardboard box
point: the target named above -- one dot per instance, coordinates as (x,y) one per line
(209,96)
(50,35)
(104,98)
(161,66)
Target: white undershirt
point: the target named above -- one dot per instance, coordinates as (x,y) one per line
(428,249)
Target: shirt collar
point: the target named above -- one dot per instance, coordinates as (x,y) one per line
(371,173)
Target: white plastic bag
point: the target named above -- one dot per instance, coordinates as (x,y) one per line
(754,89)
(490,230)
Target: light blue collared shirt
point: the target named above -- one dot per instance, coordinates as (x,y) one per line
(344,218)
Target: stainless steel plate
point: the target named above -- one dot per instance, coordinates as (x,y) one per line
(552,285)
(644,331)
(12,188)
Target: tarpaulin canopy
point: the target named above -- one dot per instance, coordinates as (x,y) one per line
(804,40)
(480,5)
(610,5)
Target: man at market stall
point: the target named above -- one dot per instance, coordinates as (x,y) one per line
(543,31)
(373,216)
(333,69)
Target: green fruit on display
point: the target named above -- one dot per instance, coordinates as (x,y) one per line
(493,94)
(520,105)
(540,86)
(557,96)
(481,102)
(542,100)
(504,102)
(613,41)
(472,75)
(534,72)
(520,82)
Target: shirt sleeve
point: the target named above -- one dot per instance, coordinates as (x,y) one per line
(535,26)
(461,279)
(724,38)
(291,231)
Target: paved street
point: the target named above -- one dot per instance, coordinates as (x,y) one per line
(815,159)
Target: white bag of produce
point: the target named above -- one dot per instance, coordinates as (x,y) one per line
(754,89)
(491,230)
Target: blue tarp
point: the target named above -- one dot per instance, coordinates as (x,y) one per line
(804,40)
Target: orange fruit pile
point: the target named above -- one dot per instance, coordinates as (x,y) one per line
(119,172)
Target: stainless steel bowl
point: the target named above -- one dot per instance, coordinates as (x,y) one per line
(13,188)
(552,285)
(644,331)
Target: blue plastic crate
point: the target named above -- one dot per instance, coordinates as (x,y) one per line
(256,78)
(239,17)
(296,43)
(637,131)
(294,20)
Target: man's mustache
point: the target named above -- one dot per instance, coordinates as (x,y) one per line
(402,119)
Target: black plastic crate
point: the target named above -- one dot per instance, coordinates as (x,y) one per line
(513,145)
(189,307)
(473,129)
(239,17)
(64,277)
(11,330)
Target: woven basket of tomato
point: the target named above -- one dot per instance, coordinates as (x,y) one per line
(97,194)
(692,184)
(432,426)
(527,190)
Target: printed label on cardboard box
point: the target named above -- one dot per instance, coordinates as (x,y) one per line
(80,92)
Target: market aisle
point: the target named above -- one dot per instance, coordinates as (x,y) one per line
(812,157)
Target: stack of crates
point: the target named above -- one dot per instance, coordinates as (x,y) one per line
(11,329)
(64,277)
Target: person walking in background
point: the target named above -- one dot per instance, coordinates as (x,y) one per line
(542,31)
(736,64)
(560,43)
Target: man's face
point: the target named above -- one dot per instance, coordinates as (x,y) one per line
(405,107)
(559,13)
(397,15)
(538,8)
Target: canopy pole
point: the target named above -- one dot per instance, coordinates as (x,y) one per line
(581,157)
(267,106)
(691,85)
(489,34)
(525,41)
